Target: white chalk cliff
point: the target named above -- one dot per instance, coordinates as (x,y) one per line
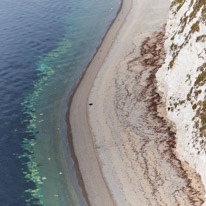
(182,80)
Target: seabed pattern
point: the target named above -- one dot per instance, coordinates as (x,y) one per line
(45,71)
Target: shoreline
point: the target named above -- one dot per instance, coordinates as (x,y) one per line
(129,136)
(190,144)
(119,142)
(75,88)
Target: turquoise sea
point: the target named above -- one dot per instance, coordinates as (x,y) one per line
(45,46)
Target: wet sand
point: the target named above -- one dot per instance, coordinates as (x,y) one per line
(125,150)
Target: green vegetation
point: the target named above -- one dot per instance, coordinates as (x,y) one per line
(197,6)
(185,20)
(173,46)
(201,38)
(173,37)
(195,27)
(197,92)
(194,106)
(201,79)
(179,7)
(175,2)
(200,107)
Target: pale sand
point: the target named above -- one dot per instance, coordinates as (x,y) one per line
(96,189)
(124,150)
(134,145)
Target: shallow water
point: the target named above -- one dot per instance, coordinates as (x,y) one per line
(45,46)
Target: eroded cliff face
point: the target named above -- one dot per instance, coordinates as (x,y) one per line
(182,80)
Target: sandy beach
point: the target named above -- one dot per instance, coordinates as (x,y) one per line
(124,149)
(92,181)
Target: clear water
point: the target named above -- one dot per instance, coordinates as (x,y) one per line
(45,46)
